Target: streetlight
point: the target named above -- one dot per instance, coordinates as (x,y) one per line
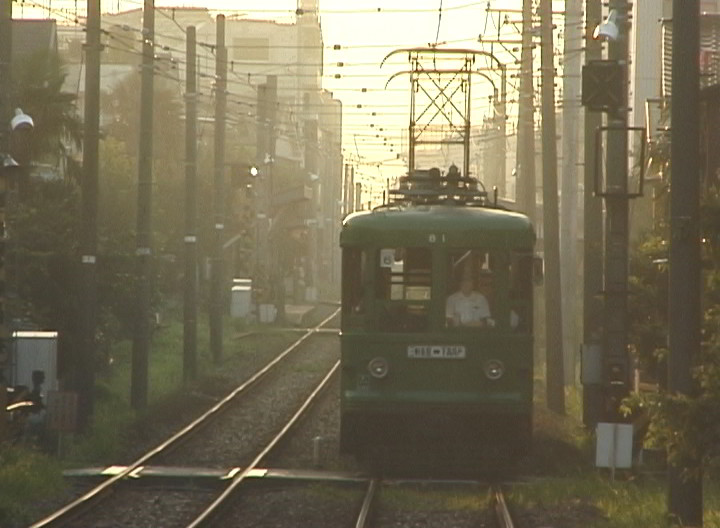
(20,125)
(608,30)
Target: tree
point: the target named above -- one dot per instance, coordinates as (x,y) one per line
(687,427)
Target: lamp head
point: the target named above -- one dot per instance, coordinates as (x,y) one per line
(608,30)
(21,120)
(8,162)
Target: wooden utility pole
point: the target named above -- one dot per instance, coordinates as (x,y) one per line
(216,270)
(88,224)
(190,293)
(553,316)
(685,501)
(143,251)
(525,190)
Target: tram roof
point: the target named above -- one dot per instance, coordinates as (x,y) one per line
(461,226)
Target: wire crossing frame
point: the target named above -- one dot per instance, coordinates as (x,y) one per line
(441,88)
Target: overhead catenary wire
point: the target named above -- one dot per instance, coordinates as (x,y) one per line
(242,81)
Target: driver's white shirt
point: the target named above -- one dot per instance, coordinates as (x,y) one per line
(467,309)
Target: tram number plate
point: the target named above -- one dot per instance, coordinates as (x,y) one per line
(436,352)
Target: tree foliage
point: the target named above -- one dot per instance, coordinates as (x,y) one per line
(687,426)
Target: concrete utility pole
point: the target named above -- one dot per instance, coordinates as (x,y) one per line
(5,113)
(592,230)
(143,252)
(216,268)
(88,224)
(569,194)
(263,190)
(271,138)
(525,191)
(265,155)
(190,293)
(553,316)
(310,135)
(685,501)
(501,120)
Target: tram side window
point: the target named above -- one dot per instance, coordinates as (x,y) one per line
(521,289)
(353,272)
(403,285)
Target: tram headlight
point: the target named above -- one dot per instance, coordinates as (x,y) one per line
(378,367)
(494,369)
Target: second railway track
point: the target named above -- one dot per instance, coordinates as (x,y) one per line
(233,448)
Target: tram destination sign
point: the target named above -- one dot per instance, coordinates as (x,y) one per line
(436,351)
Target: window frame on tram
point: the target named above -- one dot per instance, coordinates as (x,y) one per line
(376,298)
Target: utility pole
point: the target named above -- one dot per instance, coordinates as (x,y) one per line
(553,316)
(276,272)
(265,156)
(616,364)
(88,224)
(525,192)
(5,113)
(143,251)
(263,206)
(685,501)
(310,129)
(216,270)
(592,232)
(501,120)
(569,185)
(190,293)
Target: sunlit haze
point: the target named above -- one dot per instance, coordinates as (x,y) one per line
(375,120)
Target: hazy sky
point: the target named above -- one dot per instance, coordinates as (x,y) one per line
(366,30)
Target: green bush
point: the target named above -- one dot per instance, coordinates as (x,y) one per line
(26,478)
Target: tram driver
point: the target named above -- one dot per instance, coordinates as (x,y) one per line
(468,307)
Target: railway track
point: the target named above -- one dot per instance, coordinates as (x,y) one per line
(500,507)
(118,481)
(160,489)
(327,500)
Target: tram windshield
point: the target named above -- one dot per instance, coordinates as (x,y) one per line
(488,290)
(403,279)
(471,287)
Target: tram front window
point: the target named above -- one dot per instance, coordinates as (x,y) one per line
(403,289)
(470,289)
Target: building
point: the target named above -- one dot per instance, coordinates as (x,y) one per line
(276,103)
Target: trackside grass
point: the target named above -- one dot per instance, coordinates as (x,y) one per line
(565,490)
(592,500)
(26,477)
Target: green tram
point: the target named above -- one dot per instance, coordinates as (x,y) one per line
(414,372)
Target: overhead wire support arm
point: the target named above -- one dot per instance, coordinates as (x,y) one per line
(449,123)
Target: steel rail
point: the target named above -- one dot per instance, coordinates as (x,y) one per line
(207,517)
(501,510)
(367,504)
(90,498)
